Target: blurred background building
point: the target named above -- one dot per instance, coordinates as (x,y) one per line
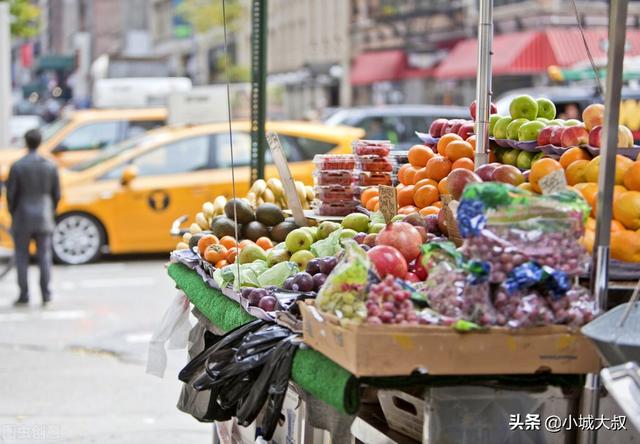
(322,54)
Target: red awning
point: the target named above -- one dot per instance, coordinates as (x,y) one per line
(531,52)
(380,66)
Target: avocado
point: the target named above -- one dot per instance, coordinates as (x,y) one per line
(280,231)
(193,242)
(269,214)
(223,226)
(254,231)
(245,213)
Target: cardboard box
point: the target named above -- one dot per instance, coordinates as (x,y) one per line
(388,350)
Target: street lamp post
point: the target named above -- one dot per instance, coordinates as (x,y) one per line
(483,81)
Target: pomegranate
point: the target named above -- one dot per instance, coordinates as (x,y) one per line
(402,236)
(388,260)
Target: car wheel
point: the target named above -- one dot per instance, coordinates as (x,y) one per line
(77,239)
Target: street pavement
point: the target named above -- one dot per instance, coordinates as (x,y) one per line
(74,372)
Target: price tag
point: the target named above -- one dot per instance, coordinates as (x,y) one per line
(388,202)
(279,158)
(554,182)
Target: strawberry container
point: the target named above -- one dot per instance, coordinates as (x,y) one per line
(325,162)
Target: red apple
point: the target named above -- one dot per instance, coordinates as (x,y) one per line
(412,277)
(595,136)
(466,130)
(493,109)
(458,180)
(625,137)
(556,135)
(419,269)
(485,172)
(508,174)
(593,115)
(544,136)
(436,127)
(402,236)
(452,126)
(388,260)
(574,136)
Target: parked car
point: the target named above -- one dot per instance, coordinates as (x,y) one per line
(397,123)
(81,135)
(125,199)
(19,125)
(570,101)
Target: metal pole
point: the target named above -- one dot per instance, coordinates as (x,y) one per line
(5,74)
(483,81)
(606,180)
(258,87)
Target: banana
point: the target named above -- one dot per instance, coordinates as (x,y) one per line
(195,228)
(302,193)
(258,187)
(218,205)
(259,201)
(281,202)
(182,246)
(186,237)
(208,209)
(201,220)
(268,196)
(310,193)
(252,198)
(276,186)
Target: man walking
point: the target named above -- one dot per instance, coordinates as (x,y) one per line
(33,192)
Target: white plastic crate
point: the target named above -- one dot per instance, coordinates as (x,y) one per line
(403,412)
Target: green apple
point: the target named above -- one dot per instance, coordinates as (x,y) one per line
(326,228)
(250,253)
(397,218)
(298,239)
(510,157)
(514,126)
(358,222)
(348,233)
(313,231)
(537,157)
(530,130)
(556,122)
(524,160)
(500,128)
(499,152)
(493,119)
(542,119)
(302,257)
(546,108)
(376,228)
(523,106)
(572,122)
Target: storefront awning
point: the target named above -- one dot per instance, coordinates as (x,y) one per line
(531,52)
(380,66)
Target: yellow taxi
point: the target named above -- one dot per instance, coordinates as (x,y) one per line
(80,135)
(125,199)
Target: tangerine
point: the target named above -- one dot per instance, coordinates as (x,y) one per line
(419,155)
(438,168)
(264,242)
(371,203)
(405,196)
(409,174)
(215,253)
(205,241)
(228,242)
(442,186)
(232,253)
(540,169)
(401,172)
(367,194)
(465,163)
(444,141)
(573,154)
(429,210)
(421,174)
(425,196)
(407,209)
(458,149)
(421,182)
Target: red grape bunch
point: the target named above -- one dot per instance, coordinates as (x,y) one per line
(389,303)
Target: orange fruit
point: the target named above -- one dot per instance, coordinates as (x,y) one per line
(421,174)
(576,171)
(264,243)
(442,186)
(244,243)
(371,203)
(616,226)
(540,169)
(526,186)
(407,209)
(444,141)
(625,245)
(591,224)
(429,210)
(425,196)
(228,242)
(421,182)
(215,253)
(232,253)
(465,163)
(419,155)
(626,209)
(623,165)
(458,149)
(400,186)
(376,207)
(367,194)
(593,170)
(438,168)
(221,263)
(472,141)
(438,204)
(588,240)
(632,177)
(409,174)
(401,172)
(573,154)
(405,196)
(205,241)
(590,193)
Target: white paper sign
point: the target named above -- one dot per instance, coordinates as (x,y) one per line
(554,182)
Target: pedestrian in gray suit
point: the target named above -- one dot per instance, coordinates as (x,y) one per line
(33,192)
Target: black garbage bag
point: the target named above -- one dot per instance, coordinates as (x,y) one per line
(262,340)
(231,339)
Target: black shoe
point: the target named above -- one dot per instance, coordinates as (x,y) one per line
(21,302)
(46,301)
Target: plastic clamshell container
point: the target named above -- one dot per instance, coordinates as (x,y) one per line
(400,157)
(335,193)
(335,208)
(369,178)
(372,147)
(334,177)
(375,164)
(334,161)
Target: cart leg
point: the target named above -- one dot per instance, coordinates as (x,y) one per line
(590,406)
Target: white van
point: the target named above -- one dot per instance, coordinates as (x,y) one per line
(137,92)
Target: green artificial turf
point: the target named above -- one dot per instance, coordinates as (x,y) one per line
(313,371)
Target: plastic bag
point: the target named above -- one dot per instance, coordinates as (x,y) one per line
(456,294)
(576,308)
(522,308)
(277,274)
(506,227)
(343,293)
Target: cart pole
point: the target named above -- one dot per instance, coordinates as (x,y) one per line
(600,269)
(483,82)
(258,87)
